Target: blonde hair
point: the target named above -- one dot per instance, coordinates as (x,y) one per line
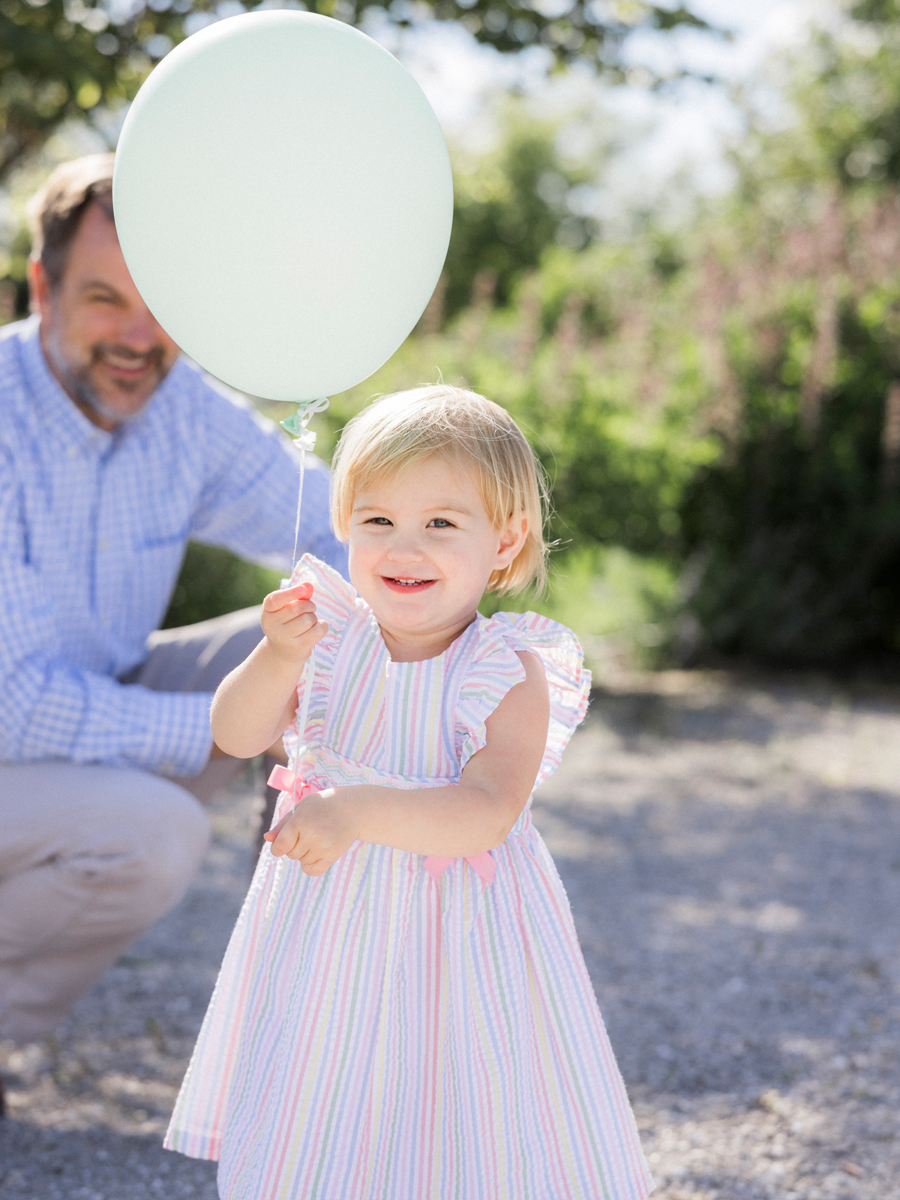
(399,430)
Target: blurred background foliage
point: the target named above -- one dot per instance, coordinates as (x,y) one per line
(64,58)
(717,403)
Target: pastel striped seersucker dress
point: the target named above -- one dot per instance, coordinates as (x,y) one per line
(377,1033)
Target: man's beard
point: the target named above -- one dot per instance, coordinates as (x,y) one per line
(79,383)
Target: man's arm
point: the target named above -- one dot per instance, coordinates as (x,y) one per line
(52,709)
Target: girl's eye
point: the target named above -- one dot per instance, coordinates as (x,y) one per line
(378,521)
(440,523)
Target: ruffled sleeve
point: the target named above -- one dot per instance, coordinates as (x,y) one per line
(496,667)
(336,602)
(334,598)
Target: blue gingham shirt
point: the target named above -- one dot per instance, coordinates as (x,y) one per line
(93,527)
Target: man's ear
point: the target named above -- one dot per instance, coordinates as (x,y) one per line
(512,539)
(38,287)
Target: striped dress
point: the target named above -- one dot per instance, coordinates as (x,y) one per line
(400,1028)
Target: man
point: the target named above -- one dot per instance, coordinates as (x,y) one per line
(114,450)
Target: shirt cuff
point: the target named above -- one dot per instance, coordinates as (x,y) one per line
(176,737)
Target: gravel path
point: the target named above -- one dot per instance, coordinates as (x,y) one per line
(732,852)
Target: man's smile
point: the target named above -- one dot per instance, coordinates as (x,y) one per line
(127,362)
(131,365)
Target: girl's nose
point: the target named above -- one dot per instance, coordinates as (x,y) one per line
(405,548)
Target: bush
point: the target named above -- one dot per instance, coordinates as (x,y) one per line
(509,206)
(797,529)
(213,581)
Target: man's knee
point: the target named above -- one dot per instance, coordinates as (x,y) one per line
(196,658)
(89,858)
(154,850)
(121,844)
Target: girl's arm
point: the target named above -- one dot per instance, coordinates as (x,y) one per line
(460,819)
(255,703)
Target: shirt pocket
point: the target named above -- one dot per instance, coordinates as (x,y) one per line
(152,540)
(157,561)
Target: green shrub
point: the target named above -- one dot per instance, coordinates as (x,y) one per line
(622,606)
(213,581)
(796,531)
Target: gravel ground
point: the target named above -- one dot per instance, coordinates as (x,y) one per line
(731,848)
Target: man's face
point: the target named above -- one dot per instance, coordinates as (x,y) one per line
(99,338)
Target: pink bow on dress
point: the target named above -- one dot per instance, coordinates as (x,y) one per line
(483,864)
(286,781)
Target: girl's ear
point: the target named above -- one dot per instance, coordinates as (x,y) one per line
(512,539)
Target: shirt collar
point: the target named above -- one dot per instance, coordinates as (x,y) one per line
(66,423)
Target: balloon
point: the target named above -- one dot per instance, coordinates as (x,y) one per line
(283,200)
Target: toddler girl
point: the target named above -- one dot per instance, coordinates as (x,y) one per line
(403,1012)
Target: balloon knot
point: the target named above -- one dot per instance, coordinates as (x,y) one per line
(296,423)
(293,424)
(306,441)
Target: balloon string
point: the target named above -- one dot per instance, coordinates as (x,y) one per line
(296,425)
(299,506)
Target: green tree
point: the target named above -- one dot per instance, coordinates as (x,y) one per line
(213,581)
(63,58)
(509,206)
(794,532)
(845,91)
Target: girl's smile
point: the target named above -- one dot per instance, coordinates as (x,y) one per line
(408,584)
(422,549)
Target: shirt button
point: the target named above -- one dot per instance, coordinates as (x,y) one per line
(166,768)
(71,451)
(103,544)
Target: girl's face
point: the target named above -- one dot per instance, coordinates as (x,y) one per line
(422,549)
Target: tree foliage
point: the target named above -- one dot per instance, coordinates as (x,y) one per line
(571,29)
(794,532)
(63,58)
(509,206)
(213,582)
(797,525)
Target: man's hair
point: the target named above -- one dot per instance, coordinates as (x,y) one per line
(408,427)
(55,212)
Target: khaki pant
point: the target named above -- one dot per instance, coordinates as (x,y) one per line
(90,856)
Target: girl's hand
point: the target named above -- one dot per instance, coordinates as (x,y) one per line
(289,622)
(316,833)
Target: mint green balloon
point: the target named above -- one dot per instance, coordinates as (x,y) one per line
(283,200)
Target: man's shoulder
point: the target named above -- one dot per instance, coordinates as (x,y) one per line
(25,327)
(12,337)
(202,400)
(188,384)
(12,378)
(188,376)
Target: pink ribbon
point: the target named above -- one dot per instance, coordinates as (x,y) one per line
(483,864)
(286,781)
